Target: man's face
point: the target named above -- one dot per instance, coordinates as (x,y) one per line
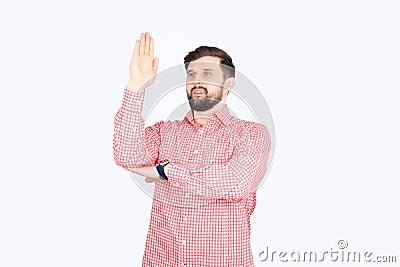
(204,83)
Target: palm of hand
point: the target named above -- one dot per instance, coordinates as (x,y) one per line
(143,66)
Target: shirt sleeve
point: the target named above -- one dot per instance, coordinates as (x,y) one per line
(134,145)
(235,179)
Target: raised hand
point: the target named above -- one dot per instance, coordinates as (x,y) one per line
(143,66)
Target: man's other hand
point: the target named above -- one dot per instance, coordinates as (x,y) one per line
(150,172)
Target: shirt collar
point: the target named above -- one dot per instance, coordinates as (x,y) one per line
(223,115)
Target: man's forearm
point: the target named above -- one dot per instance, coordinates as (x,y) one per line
(234,179)
(128,143)
(150,172)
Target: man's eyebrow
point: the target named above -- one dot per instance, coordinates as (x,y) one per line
(191,70)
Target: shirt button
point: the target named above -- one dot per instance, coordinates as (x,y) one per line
(196,151)
(184,242)
(185,219)
(200,131)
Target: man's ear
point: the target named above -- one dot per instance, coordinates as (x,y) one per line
(229,83)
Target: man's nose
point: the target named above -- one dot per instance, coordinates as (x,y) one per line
(198,83)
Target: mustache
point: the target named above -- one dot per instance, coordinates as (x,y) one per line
(198,87)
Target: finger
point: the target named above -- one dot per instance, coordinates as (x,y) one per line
(156,62)
(142,43)
(147,43)
(151,52)
(149,180)
(136,51)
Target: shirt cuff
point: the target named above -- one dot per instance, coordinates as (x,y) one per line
(132,98)
(177,175)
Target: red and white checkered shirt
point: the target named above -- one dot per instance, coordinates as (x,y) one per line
(201,215)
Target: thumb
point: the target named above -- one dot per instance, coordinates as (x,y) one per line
(156,61)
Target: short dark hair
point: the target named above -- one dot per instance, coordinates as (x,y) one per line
(227,66)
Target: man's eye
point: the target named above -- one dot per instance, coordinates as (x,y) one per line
(207,74)
(191,75)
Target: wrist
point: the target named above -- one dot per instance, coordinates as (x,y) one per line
(132,86)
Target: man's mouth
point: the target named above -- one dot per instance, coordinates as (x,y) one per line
(198,91)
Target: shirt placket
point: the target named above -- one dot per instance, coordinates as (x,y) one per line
(183,237)
(196,149)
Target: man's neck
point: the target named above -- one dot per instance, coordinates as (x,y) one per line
(201,117)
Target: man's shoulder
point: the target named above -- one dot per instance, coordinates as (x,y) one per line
(246,125)
(168,124)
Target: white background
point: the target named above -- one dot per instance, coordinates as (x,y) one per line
(328,69)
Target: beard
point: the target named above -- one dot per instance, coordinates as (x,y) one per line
(205,102)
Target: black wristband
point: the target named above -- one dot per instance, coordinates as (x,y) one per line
(160,169)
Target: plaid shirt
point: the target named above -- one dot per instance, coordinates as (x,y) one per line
(201,215)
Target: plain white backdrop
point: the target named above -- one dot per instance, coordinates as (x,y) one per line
(329,71)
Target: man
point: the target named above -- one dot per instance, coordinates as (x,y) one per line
(206,167)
